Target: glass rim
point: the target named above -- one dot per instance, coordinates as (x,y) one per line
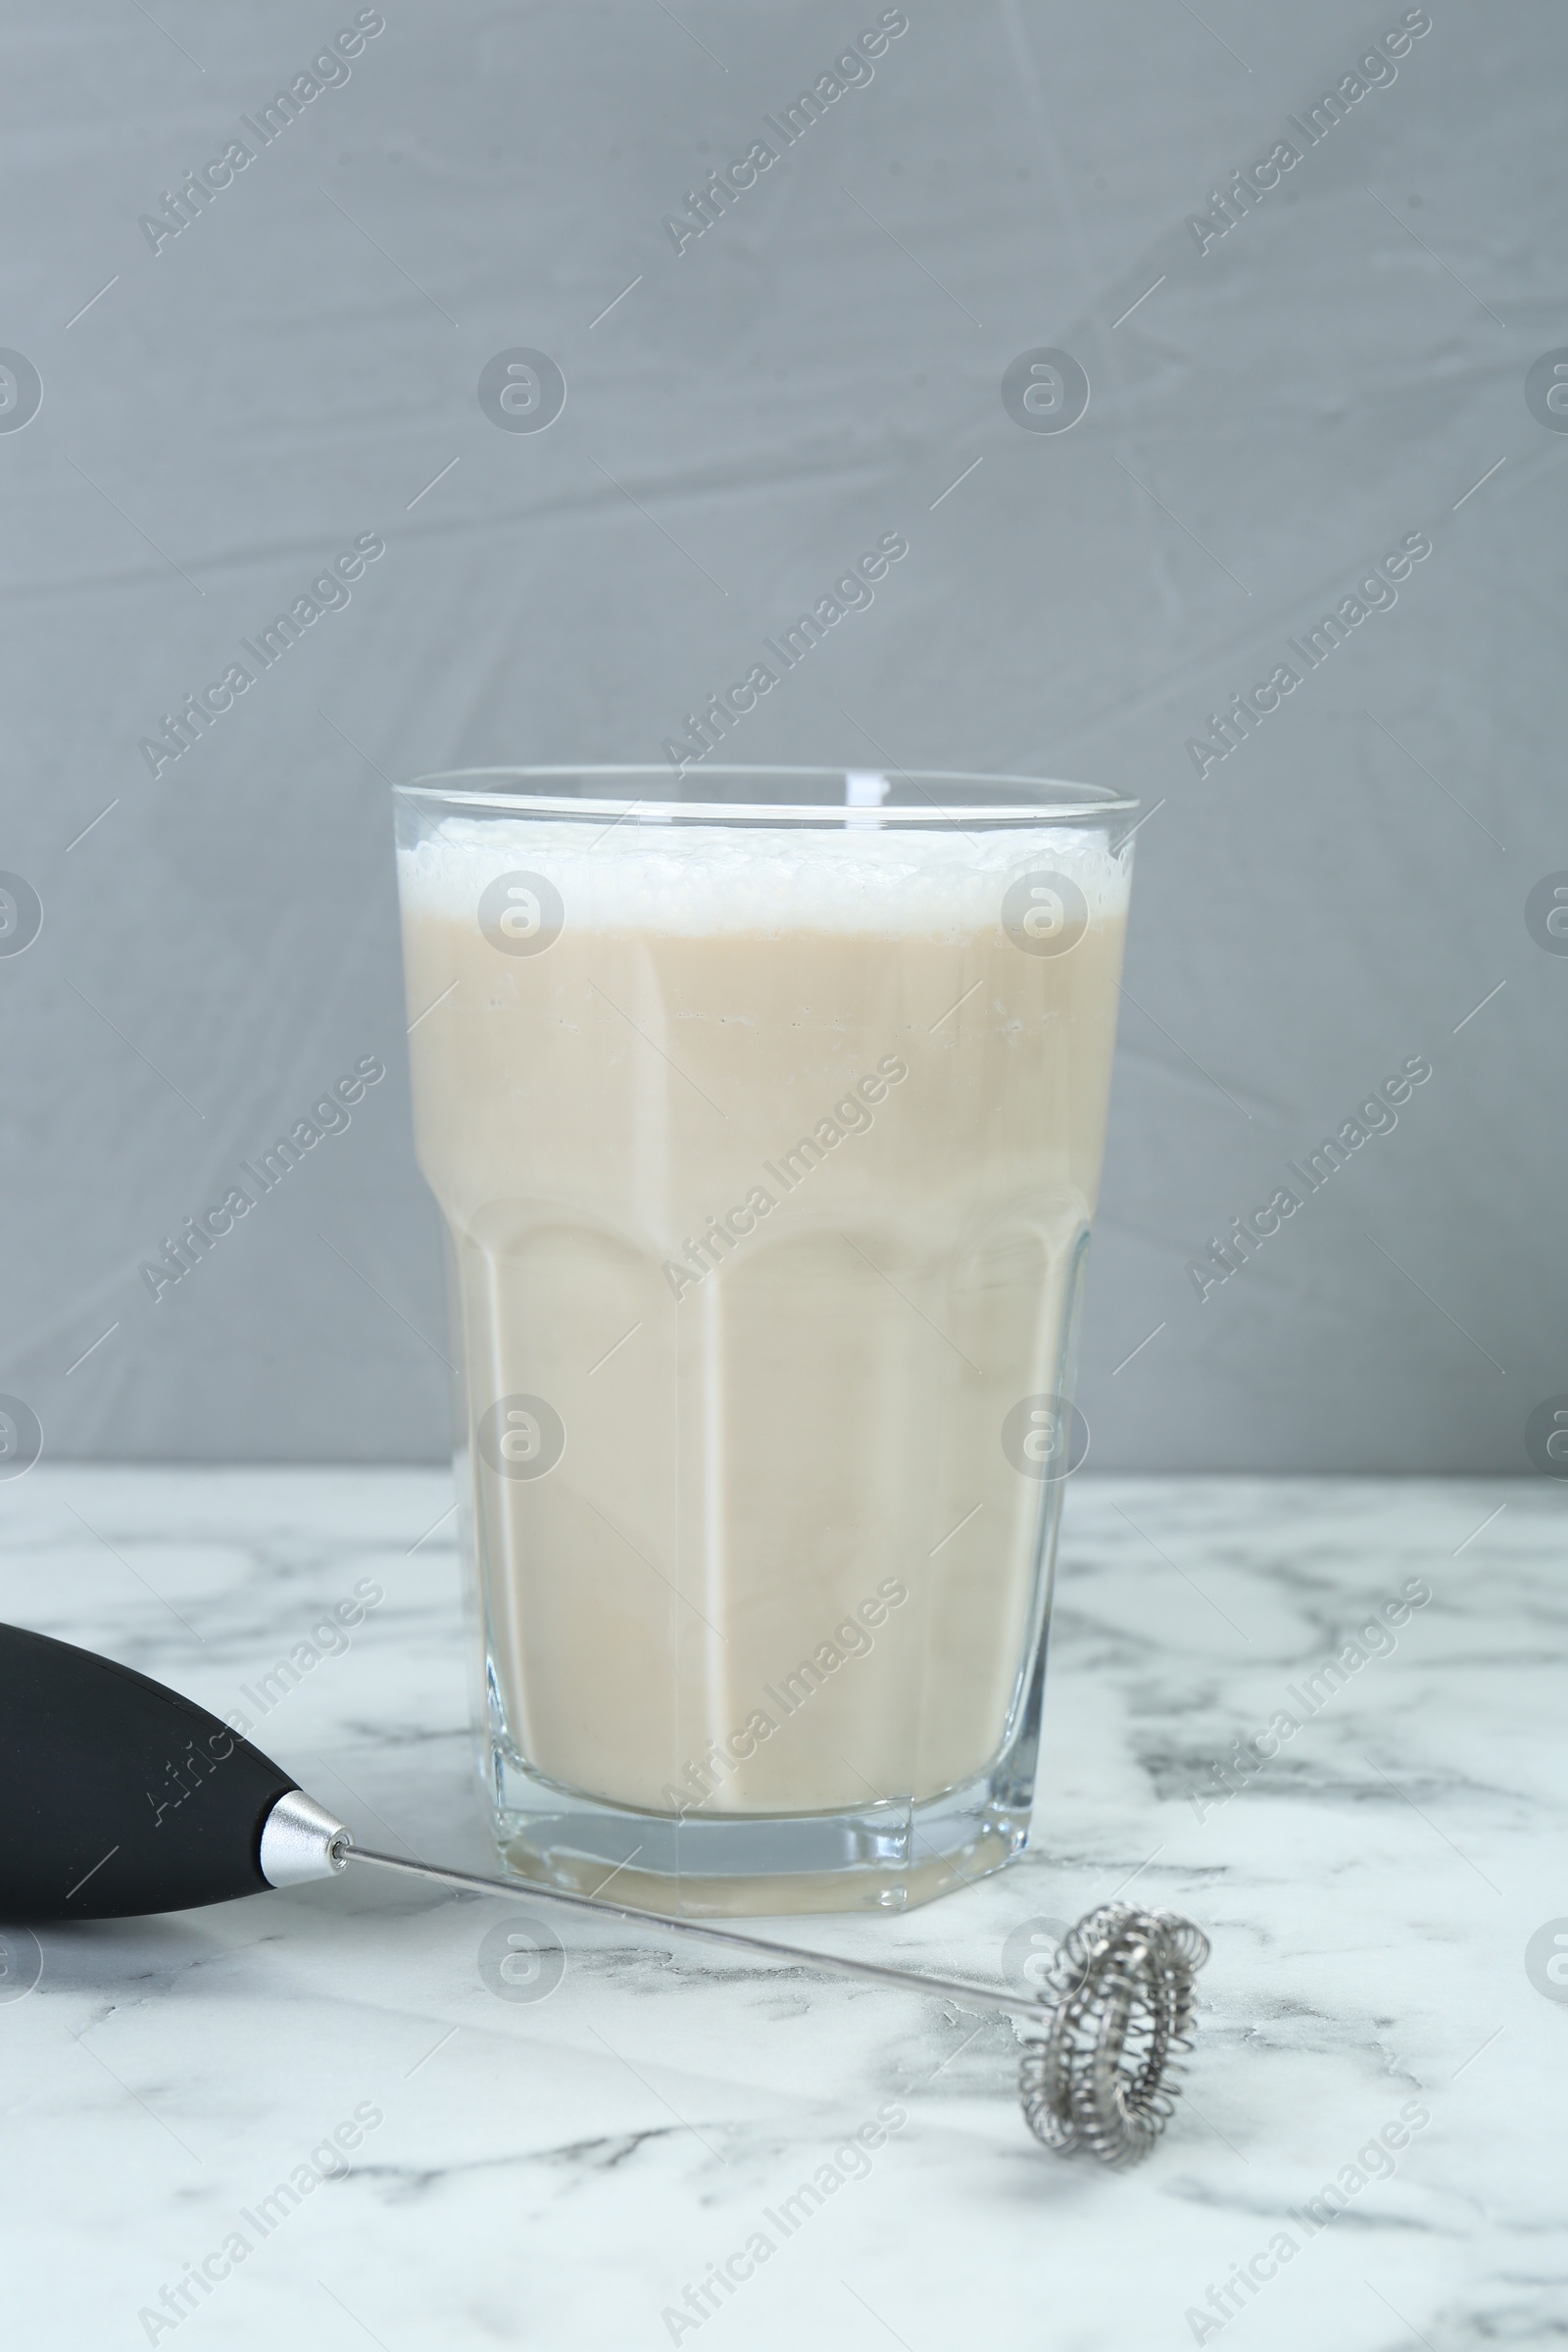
(1051,800)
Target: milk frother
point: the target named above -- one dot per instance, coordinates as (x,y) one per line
(120,1797)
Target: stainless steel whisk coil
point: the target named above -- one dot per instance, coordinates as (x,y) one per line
(1106,2073)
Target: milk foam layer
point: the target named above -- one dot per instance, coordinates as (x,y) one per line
(717,881)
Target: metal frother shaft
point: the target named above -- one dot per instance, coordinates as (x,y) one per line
(978,1996)
(1102,2071)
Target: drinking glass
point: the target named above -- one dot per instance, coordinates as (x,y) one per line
(764,1110)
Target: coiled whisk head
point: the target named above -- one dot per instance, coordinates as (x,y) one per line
(1105,2075)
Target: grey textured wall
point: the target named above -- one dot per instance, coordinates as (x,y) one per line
(1337,370)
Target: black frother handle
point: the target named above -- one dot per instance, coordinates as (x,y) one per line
(117,1796)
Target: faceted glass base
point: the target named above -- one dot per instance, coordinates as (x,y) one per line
(879,1857)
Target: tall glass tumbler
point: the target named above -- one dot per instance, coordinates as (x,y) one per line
(764,1108)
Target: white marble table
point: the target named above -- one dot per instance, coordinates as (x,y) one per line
(557,2172)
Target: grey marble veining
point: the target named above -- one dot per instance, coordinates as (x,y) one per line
(560,2170)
